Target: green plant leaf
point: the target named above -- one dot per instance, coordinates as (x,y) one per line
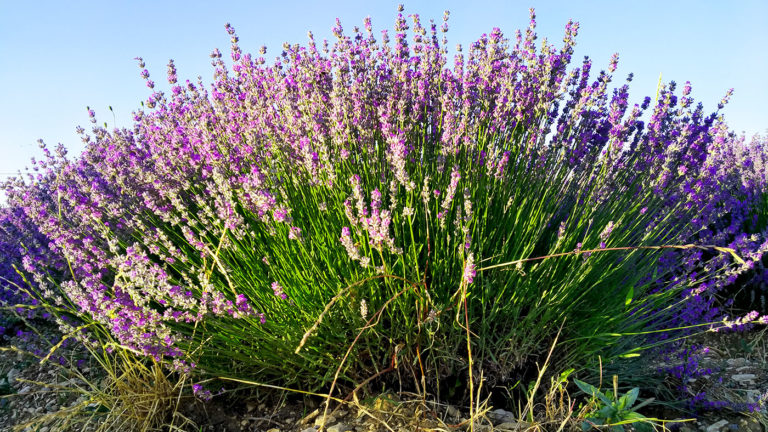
(631,415)
(632,396)
(586,388)
(565,374)
(643,427)
(630,355)
(593,391)
(621,404)
(629,296)
(608,412)
(605,399)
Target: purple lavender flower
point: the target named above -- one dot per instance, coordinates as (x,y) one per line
(469,269)
(278,290)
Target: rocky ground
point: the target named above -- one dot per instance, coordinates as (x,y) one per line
(739,374)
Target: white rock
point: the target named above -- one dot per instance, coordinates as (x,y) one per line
(452,411)
(339,427)
(12,374)
(328,420)
(501,416)
(753,396)
(737,362)
(743,377)
(717,426)
(512,426)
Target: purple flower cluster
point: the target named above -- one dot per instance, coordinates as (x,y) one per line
(372,154)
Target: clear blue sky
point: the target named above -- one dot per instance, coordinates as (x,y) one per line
(57,57)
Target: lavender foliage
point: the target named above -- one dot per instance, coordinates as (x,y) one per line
(214,232)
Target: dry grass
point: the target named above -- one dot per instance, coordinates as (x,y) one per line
(127,393)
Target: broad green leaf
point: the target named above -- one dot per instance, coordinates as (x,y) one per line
(586,388)
(632,396)
(608,412)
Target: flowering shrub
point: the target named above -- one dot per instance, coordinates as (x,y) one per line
(744,222)
(374,184)
(20,244)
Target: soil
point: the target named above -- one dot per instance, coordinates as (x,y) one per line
(738,362)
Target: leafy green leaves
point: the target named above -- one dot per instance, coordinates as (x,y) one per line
(613,411)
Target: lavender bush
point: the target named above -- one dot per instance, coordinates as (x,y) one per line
(376,185)
(20,242)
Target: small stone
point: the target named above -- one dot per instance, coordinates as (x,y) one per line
(501,416)
(328,420)
(273,430)
(753,396)
(12,374)
(310,429)
(250,406)
(511,426)
(43,429)
(717,427)
(743,377)
(244,423)
(339,427)
(342,413)
(452,412)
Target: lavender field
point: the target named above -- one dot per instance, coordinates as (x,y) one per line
(372,213)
